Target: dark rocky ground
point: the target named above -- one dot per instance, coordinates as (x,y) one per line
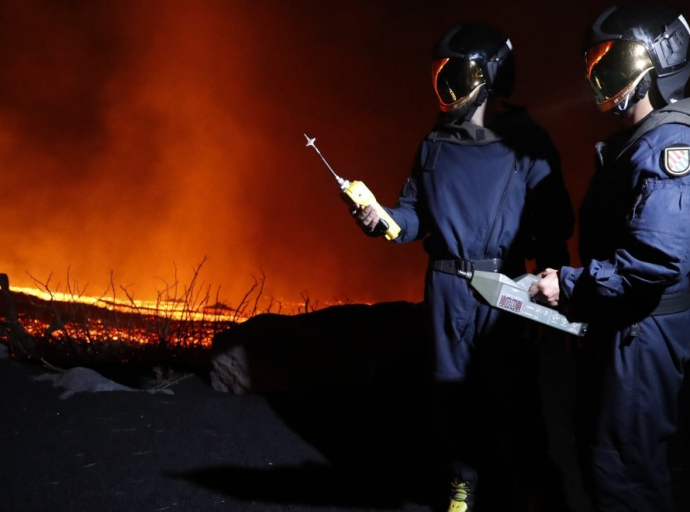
(353,448)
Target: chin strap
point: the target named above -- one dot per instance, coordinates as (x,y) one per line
(482,96)
(640,91)
(460,115)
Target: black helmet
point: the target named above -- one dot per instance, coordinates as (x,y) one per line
(626,43)
(467,57)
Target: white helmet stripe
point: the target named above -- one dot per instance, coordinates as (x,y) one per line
(684,22)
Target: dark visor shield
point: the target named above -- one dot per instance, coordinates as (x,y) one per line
(455,80)
(614,68)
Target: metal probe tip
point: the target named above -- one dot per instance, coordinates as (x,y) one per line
(310,142)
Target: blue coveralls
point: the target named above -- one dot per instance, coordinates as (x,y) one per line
(635,248)
(478,194)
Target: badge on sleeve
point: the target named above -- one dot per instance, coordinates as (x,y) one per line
(677,161)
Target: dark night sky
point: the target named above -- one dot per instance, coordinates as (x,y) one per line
(139,135)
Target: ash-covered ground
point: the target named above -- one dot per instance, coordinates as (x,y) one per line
(357,447)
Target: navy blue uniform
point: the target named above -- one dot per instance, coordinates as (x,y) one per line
(478,194)
(635,248)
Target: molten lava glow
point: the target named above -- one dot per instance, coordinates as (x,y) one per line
(80,319)
(187,322)
(137,136)
(140,136)
(175,310)
(95,332)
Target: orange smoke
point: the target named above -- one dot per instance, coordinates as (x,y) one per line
(140,137)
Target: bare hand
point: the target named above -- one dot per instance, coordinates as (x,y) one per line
(546,291)
(367,218)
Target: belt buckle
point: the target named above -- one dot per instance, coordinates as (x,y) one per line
(463,266)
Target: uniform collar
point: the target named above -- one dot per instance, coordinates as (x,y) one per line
(466,131)
(620,142)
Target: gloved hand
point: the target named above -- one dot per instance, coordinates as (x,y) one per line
(367,218)
(547,290)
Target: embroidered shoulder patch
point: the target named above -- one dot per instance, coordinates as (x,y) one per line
(676,161)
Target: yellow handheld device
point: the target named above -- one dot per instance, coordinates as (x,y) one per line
(357,194)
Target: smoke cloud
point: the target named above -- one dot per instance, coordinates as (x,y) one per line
(144,136)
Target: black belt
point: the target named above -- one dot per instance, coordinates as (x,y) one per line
(461,266)
(673,303)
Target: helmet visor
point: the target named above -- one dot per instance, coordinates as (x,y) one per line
(455,80)
(614,68)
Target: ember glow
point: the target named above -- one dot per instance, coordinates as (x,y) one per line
(36,320)
(95,333)
(79,321)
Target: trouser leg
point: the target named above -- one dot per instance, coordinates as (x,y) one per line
(626,413)
(490,428)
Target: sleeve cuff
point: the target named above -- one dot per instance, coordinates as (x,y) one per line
(568,277)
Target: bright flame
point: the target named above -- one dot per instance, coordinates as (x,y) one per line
(172,309)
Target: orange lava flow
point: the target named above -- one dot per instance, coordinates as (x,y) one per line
(172,309)
(58,318)
(97,332)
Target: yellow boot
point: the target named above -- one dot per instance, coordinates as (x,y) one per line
(460,496)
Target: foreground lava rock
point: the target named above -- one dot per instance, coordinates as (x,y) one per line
(273,353)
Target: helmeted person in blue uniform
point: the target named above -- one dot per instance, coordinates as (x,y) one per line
(485,193)
(633,288)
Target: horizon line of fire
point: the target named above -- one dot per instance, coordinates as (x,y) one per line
(171,322)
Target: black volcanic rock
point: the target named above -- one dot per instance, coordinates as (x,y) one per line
(338,345)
